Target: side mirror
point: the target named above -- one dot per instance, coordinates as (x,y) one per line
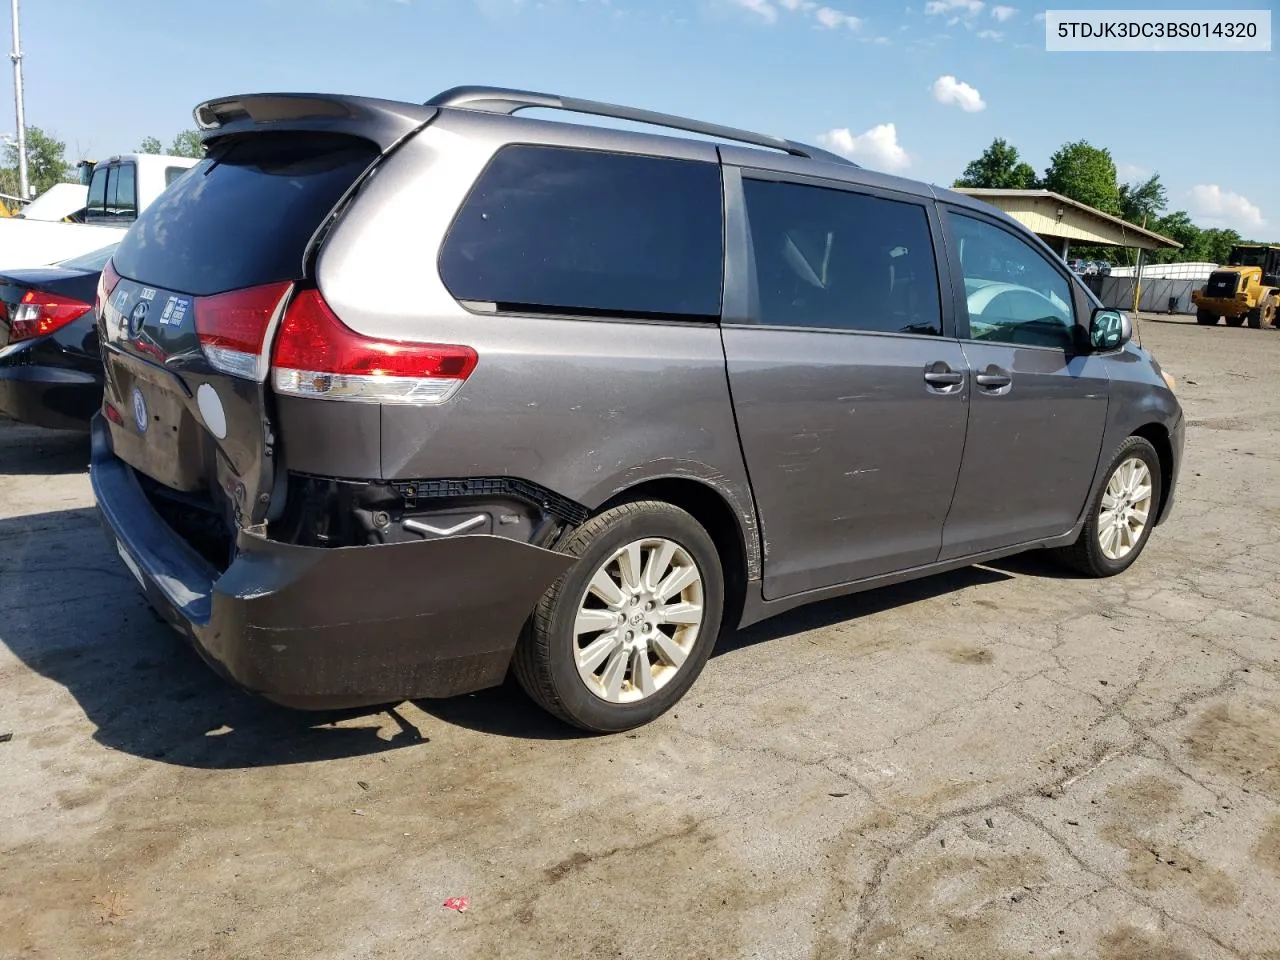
(1109,330)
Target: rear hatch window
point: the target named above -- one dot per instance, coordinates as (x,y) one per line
(245,215)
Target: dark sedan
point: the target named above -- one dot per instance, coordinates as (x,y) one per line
(50,369)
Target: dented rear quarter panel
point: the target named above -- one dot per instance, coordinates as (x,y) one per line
(586,407)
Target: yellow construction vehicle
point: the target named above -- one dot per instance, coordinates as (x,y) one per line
(1247,288)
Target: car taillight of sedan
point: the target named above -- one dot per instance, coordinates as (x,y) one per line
(39,314)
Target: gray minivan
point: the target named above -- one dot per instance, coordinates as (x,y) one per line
(400,398)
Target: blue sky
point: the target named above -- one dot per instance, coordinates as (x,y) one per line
(917,90)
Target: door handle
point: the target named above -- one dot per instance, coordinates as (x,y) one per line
(993,378)
(941,378)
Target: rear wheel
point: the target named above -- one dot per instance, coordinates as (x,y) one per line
(1206,319)
(1236,321)
(621,637)
(1121,515)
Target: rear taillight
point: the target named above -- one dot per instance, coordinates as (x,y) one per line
(317,355)
(39,314)
(232,327)
(107,281)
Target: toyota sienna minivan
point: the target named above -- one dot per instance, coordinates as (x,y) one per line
(400,398)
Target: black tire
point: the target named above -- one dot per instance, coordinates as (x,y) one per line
(544,662)
(1236,321)
(1206,319)
(1085,555)
(1267,313)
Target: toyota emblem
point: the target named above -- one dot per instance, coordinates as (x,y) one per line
(138,317)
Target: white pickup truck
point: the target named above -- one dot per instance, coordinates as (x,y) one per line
(118,189)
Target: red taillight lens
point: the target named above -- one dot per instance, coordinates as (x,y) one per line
(317,355)
(39,314)
(232,327)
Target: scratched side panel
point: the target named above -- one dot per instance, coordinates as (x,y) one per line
(586,408)
(852,458)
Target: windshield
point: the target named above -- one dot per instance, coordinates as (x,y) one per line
(244,216)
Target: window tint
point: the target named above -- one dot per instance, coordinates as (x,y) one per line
(1013,294)
(122,198)
(576,231)
(97,206)
(840,260)
(245,215)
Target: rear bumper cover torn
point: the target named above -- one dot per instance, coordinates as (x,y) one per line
(322,628)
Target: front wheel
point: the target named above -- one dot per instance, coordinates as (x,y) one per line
(1263,315)
(1206,318)
(625,632)
(1121,515)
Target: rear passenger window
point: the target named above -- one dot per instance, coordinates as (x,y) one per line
(843,261)
(97,205)
(552,229)
(122,199)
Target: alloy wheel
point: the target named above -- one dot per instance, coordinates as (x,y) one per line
(638,620)
(1126,508)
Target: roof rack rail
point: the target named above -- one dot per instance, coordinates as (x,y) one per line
(502,100)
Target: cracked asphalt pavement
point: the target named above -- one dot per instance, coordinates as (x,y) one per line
(1001,762)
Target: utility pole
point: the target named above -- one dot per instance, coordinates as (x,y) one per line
(24,185)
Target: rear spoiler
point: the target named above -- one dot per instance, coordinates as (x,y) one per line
(385,122)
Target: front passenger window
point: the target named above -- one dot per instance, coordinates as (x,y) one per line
(1014,296)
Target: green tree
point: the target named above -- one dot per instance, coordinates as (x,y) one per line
(999,167)
(187,144)
(1143,201)
(1085,173)
(46,163)
(1176,226)
(1215,244)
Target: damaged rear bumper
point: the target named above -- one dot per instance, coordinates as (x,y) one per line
(321,628)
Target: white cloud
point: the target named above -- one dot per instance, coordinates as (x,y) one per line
(969,8)
(829,17)
(834,18)
(1215,207)
(877,147)
(1129,172)
(990,35)
(1039,17)
(949,90)
(762,8)
(1003,13)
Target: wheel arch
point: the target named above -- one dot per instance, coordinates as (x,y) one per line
(1157,435)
